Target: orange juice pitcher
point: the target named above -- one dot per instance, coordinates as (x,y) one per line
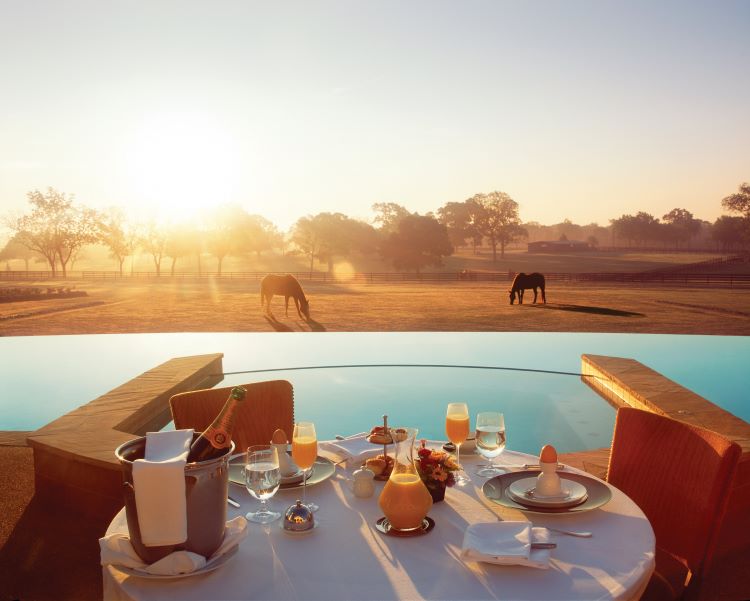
(405,499)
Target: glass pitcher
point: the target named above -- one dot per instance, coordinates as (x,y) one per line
(405,499)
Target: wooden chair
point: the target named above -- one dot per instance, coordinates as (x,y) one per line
(267,406)
(680,476)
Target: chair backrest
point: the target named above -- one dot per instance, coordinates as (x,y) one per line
(680,476)
(267,406)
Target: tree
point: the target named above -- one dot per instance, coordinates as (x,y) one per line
(497,219)
(680,226)
(639,228)
(729,232)
(740,203)
(120,236)
(15,249)
(55,228)
(388,215)
(180,242)
(226,235)
(459,218)
(330,235)
(154,240)
(262,235)
(306,236)
(571,231)
(417,242)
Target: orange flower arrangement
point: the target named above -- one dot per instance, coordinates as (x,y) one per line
(436,467)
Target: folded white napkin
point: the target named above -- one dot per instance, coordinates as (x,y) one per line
(159,483)
(506,543)
(116,549)
(353,448)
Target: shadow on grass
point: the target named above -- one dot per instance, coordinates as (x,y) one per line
(276,324)
(316,326)
(594,310)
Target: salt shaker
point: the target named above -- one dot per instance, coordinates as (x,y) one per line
(363,485)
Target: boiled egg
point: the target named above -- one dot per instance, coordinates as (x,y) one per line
(548,454)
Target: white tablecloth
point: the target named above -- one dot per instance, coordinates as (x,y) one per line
(346,558)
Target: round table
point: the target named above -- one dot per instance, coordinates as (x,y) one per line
(346,558)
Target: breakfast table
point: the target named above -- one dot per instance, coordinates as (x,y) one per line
(346,557)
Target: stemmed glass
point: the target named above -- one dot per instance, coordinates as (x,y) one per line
(490,441)
(457,429)
(262,479)
(304,453)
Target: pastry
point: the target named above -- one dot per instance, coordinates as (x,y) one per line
(379,435)
(382,465)
(376,466)
(399,434)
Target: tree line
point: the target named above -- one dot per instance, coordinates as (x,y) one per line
(56,229)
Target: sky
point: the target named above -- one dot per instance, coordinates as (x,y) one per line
(578,110)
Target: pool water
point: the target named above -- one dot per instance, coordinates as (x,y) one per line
(538,407)
(46,376)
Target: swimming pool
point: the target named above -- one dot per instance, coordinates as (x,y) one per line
(44,377)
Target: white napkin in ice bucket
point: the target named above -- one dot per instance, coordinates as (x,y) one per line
(159,483)
(117,550)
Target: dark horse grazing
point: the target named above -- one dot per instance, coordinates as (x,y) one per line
(523,282)
(286,285)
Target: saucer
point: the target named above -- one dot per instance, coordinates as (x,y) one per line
(210,566)
(384,526)
(573,493)
(294,478)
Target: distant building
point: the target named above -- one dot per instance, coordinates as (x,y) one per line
(558,246)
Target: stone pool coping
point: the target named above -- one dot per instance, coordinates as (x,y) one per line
(74,460)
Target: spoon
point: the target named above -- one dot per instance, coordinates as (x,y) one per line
(579,534)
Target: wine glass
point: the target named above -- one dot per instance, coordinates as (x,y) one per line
(262,479)
(457,429)
(490,440)
(304,453)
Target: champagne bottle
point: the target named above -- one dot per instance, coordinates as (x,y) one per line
(218,436)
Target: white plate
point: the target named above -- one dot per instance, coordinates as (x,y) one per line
(209,567)
(573,493)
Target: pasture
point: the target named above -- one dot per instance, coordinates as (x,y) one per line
(234,305)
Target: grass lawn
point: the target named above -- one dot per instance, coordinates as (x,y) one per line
(234,305)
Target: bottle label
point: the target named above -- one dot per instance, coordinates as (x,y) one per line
(219,439)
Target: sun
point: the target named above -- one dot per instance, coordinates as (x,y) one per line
(182,163)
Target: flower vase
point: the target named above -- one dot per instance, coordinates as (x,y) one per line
(437,491)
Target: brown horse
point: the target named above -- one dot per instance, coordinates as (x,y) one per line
(523,282)
(286,285)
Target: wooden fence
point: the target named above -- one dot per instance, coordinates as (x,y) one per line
(673,278)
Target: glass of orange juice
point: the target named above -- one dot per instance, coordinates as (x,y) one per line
(304,453)
(457,430)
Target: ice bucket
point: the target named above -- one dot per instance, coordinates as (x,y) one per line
(206,485)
